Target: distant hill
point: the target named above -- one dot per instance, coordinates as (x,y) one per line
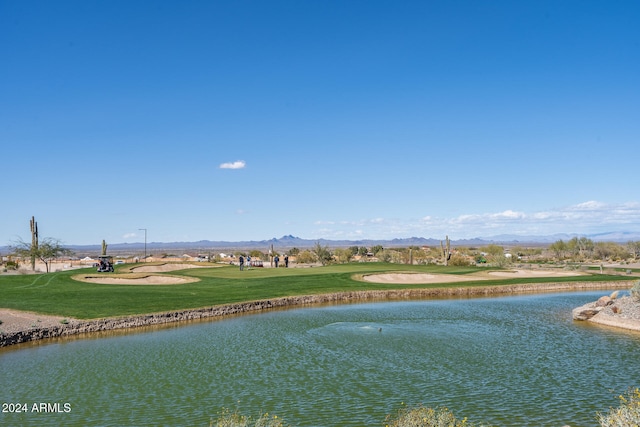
(289,241)
(612,236)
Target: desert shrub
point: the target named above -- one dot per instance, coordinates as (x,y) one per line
(421,416)
(306,257)
(226,418)
(626,415)
(384,255)
(635,292)
(12,265)
(459,260)
(342,255)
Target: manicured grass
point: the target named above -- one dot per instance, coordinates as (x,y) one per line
(59,294)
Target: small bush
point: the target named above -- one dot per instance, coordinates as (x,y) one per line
(635,292)
(306,257)
(12,265)
(420,416)
(459,260)
(226,418)
(626,415)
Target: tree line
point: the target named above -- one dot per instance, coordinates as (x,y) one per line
(577,249)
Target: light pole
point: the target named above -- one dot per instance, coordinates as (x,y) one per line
(145,243)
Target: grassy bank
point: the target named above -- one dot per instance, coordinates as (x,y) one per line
(59,294)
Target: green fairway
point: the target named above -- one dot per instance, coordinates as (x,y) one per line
(59,294)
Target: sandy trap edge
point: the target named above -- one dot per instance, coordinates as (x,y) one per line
(425,278)
(150,279)
(169,266)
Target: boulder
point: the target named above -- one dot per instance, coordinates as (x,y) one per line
(586,311)
(585,314)
(604,301)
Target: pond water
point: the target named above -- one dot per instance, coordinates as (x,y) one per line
(506,361)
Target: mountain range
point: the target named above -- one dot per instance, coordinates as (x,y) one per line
(289,241)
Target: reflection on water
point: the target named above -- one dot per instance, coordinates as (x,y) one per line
(509,361)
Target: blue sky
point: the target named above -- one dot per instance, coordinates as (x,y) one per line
(247,120)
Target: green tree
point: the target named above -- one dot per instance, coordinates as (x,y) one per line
(610,250)
(585,245)
(580,248)
(375,249)
(634,249)
(621,253)
(343,255)
(256,254)
(384,255)
(306,257)
(322,253)
(46,251)
(294,251)
(559,248)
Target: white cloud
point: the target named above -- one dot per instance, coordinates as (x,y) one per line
(583,218)
(590,205)
(129,236)
(238,164)
(508,214)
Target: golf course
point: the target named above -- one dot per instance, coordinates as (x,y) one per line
(153,293)
(239,358)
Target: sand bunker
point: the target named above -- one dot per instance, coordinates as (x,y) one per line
(412,278)
(152,279)
(417,278)
(136,278)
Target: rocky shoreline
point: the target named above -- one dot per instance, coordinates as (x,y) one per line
(75,327)
(611,311)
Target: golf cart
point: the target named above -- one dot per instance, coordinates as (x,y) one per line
(105,264)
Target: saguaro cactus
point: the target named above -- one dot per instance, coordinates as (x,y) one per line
(34,242)
(104,248)
(446,250)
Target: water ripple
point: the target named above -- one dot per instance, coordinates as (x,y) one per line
(512,361)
